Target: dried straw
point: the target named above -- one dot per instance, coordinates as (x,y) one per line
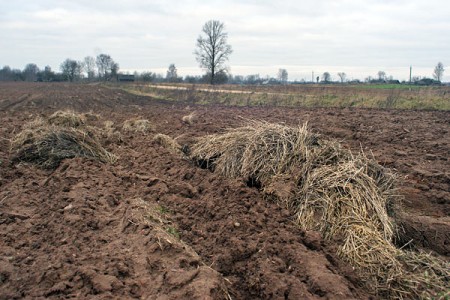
(168,143)
(259,150)
(348,198)
(191,118)
(137,125)
(66,119)
(64,134)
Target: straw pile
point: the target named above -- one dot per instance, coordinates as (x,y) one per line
(46,142)
(349,198)
(67,119)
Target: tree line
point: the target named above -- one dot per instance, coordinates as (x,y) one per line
(212,52)
(103,67)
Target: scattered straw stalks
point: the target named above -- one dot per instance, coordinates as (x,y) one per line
(349,198)
(67,119)
(168,143)
(110,133)
(137,125)
(191,118)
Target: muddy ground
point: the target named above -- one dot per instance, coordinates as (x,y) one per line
(155,226)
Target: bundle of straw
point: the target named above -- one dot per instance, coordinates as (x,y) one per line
(64,134)
(349,198)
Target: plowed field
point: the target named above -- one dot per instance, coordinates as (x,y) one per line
(153,225)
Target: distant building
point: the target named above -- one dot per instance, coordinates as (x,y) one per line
(125,78)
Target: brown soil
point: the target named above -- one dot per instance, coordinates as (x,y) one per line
(77,231)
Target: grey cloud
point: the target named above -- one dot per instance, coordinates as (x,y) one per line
(151,34)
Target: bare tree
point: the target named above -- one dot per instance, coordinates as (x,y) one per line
(381,75)
(212,48)
(47,74)
(6,74)
(326,77)
(438,71)
(114,71)
(71,69)
(172,75)
(30,72)
(89,67)
(342,76)
(282,76)
(106,66)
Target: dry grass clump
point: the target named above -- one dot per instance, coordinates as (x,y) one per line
(46,142)
(169,143)
(47,145)
(110,133)
(259,150)
(349,198)
(137,125)
(191,118)
(67,119)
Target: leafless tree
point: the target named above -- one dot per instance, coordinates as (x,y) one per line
(342,76)
(47,74)
(30,72)
(172,75)
(326,77)
(438,71)
(212,48)
(381,75)
(107,68)
(89,67)
(282,76)
(114,70)
(71,69)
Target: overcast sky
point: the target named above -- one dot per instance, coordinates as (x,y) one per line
(359,37)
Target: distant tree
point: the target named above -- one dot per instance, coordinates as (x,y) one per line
(6,74)
(114,71)
(172,75)
(191,79)
(71,69)
(46,75)
(220,77)
(381,75)
(438,71)
(237,79)
(30,72)
(148,76)
(159,78)
(317,79)
(212,49)
(282,76)
(342,76)
(89,67)
(106,66)
(326,77)
(252,79)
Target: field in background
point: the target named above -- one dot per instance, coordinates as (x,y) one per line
(362,96)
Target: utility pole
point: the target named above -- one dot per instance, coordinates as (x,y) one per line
(410,73)
(312,77)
